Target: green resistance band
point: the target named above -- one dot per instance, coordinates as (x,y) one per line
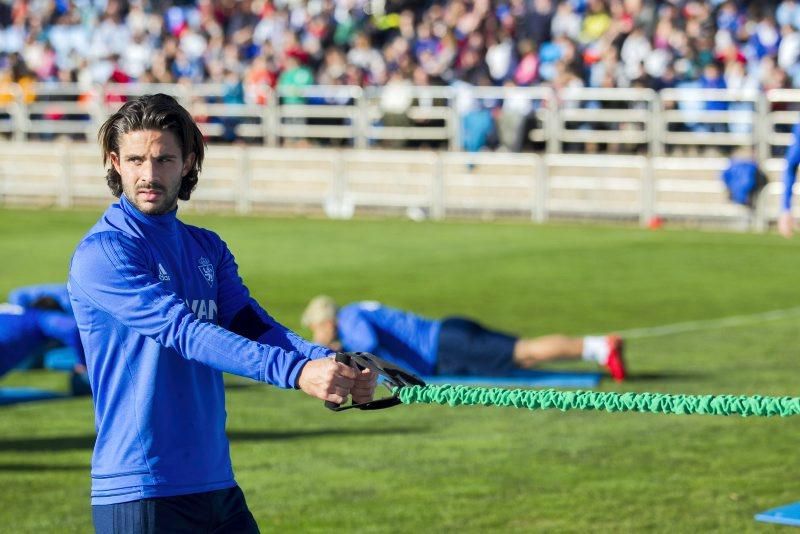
(544,399)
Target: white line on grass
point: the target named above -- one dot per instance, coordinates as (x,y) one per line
(708,324)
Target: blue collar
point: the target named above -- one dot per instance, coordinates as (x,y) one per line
(166,222)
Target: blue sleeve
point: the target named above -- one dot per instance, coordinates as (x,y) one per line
(790,174)
(111,272)
(280,336)
(62,327)
(356,332)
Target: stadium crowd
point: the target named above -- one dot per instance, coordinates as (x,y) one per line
(247,45)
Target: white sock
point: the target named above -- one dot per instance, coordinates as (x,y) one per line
(595,349)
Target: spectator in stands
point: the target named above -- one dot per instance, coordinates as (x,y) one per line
(430,103)
(527,69)
(635,50)
(395,102)
(663,44)
(17,71)
(596,22)
(515,119)
(368,59)
(449,346)
(500,57)
(712,79)
(536,25)
(566,22)
(789,53)
(260,76)
(292,79)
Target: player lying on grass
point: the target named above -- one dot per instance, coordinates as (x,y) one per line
(28,331)
(450,346)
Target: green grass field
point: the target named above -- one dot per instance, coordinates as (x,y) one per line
(468,469)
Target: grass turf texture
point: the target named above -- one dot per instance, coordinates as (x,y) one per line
(431,468)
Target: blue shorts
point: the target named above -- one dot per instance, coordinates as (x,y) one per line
(468,348)
(220,511)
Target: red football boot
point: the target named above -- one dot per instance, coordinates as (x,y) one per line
(616,360)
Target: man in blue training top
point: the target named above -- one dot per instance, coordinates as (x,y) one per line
(451,346)
(785,219)
(162,313)
(42,323)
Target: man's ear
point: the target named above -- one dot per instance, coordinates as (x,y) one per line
(188,164)
(114,157)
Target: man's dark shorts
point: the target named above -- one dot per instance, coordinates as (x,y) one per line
(468,348)
(221,511)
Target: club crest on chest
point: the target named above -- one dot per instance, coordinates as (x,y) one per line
(207,269)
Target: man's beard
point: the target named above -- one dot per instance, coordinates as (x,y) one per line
(164,204)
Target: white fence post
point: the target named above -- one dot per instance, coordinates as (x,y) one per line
(539,208)
(243,182)
(437,189)
(542,213)
(362,122)
(648,192)
(65,194)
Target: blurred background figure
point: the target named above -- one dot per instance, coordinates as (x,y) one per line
(42,322)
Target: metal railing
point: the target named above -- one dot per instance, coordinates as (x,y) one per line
(619,117)
(526,119)
(710,118)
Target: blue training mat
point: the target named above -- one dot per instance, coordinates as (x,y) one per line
(523,378)
(61,359)
(788,514)
(17,395)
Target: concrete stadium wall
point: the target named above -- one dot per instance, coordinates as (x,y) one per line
(343,182)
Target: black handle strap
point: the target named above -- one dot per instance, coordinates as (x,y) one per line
(394,378)
(341,357)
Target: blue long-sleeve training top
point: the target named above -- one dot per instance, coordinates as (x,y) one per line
(790,174)
(162,312)
(403,338)
(24,332)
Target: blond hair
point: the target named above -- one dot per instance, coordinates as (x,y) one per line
(321,308)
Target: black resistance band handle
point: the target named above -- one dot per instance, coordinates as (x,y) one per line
(345,359)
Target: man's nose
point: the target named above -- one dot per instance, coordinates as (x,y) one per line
(147,171)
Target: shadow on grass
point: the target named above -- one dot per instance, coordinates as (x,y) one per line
(51,443)
(241,385)
(66,443)
(670,376)
(26,468)
(247,435)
